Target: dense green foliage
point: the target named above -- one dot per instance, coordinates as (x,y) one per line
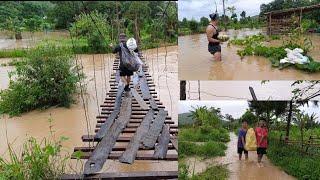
(202,137)
(187,27)
(94,30)
(293,159)
(286,4)
(203,134)
(209,117)
(38,160)
(152,23)
(46,77)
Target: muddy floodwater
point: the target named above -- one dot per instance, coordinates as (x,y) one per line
(71,122)
(196,63)
(7,40)
(239,90)
(240,170)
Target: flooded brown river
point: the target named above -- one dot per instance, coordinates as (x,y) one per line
(240,170)
(71,123)
(196,63)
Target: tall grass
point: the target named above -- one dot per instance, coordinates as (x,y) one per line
(293,161)
(38,160)
(203,134)
(205,150)
(214,172)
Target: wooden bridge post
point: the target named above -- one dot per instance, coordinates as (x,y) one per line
(183,90)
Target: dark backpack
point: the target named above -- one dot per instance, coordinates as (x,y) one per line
(129,60)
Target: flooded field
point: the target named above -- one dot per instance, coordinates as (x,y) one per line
(7,40)
(71,122)
(196,63)
(240,170)
(239,90)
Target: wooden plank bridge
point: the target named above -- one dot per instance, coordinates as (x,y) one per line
(132,126)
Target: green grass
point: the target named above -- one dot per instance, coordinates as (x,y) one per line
(218,172)
(292,161)
(38,160)
(14,53)
(205,150)
(203,134)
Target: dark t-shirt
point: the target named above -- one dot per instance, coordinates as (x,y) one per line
(242,133)
(117,49)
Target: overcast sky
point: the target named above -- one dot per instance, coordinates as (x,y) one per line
(235,108)
(199,8)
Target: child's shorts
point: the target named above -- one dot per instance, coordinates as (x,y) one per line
(240,150)
(261,150)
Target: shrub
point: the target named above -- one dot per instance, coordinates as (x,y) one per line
(46,77)
(292,161)
(38,160)
(206,150)
(203,134)
(93,28)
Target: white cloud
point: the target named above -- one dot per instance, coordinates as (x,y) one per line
(199,8)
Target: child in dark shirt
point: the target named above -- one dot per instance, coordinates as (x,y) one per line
(242,139)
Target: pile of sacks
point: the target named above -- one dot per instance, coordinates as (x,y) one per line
(295,57)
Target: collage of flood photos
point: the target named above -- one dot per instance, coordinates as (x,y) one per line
(185,89)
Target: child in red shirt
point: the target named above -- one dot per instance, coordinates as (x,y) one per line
(262,142)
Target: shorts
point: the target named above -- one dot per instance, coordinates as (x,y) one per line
(241,149)
(125,72)
(261,150)
(214,48)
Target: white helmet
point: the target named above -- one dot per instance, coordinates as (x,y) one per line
(132,44)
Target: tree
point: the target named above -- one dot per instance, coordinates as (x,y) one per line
(205,116)
(204,21)
(184,22)
(193,25)
(250,117)
(243,16)
(234,18)
(136,12)
(271,110)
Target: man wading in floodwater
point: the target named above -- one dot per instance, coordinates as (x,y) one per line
(212,36)
(125,73)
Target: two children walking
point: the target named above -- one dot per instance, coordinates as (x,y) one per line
(257,141)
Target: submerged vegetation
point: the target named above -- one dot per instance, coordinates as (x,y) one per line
(205,137)
(46,77)
(38,160)
(254,45)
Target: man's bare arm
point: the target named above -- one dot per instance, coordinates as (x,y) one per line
(210,31)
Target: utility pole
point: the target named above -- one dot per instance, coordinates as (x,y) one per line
(289,121)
